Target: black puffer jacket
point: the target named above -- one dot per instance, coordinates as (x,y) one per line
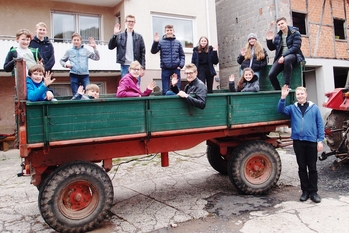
(171,52)
(293,40)
(197,93)
(256,64)
(46,51)
(119,42)
(212,59)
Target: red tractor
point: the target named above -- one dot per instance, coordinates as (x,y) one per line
(337,124)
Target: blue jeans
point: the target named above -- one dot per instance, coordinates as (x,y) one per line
(77,80)
(170,93)
(124,70)
(166,81)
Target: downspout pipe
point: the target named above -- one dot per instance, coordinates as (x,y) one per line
(208,21)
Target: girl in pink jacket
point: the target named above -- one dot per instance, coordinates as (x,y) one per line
(128,85)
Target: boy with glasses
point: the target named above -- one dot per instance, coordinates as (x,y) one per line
(195,91)
(129,45)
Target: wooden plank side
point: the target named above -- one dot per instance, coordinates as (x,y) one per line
(255,107)
(173,113)
(68,120)
(85,119)
(35,123)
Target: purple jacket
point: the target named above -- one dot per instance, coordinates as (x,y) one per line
(128,87)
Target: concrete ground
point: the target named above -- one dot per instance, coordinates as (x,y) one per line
(187,196)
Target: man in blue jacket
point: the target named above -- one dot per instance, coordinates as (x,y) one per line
(287,45)
(307,134)
(172,57)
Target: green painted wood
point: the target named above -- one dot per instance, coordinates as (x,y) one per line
(296,80)
(70,119)
(67,120)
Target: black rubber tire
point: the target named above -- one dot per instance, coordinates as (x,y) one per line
(216,159)
(254,167)
(76,197)
(336,120)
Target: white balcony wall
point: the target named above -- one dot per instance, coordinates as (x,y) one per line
(106,63)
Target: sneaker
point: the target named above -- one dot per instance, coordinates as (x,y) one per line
(315,197)
(304,196)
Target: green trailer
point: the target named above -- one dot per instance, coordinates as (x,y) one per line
(61,143)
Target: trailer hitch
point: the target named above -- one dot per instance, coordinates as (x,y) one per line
(324,155)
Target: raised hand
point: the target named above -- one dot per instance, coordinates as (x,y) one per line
(117,28)
(92,42)
(47,79)
(215,48)
(231,78)
(156,37)
(284,91)
(151,85)
(270,35)
(81,90)
(243,51)
(174,79)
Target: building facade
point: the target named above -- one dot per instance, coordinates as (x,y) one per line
(325,40)
(191,19)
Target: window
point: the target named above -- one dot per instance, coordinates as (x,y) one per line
(339,28)
(183,28)
(299,22)
(65,24)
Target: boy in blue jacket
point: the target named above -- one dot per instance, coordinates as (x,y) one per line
(307,134)
(37,84)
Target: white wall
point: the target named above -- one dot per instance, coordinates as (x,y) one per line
(323,81)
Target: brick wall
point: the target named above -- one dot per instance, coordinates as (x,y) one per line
(321,42)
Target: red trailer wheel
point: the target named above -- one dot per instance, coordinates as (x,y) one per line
(76,197)
(257,169)
(254,167)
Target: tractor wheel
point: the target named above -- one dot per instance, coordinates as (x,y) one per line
(254,167)
(217,160)
(336,120)
(76,197)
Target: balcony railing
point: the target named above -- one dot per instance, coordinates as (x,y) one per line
(106,63)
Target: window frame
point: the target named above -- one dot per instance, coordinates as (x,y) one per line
(176,17)
(77,26)
(340,32)
(302,26)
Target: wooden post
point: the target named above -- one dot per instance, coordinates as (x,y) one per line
(21,83)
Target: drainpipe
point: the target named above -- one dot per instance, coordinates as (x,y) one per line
(276,9)
(208,21)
